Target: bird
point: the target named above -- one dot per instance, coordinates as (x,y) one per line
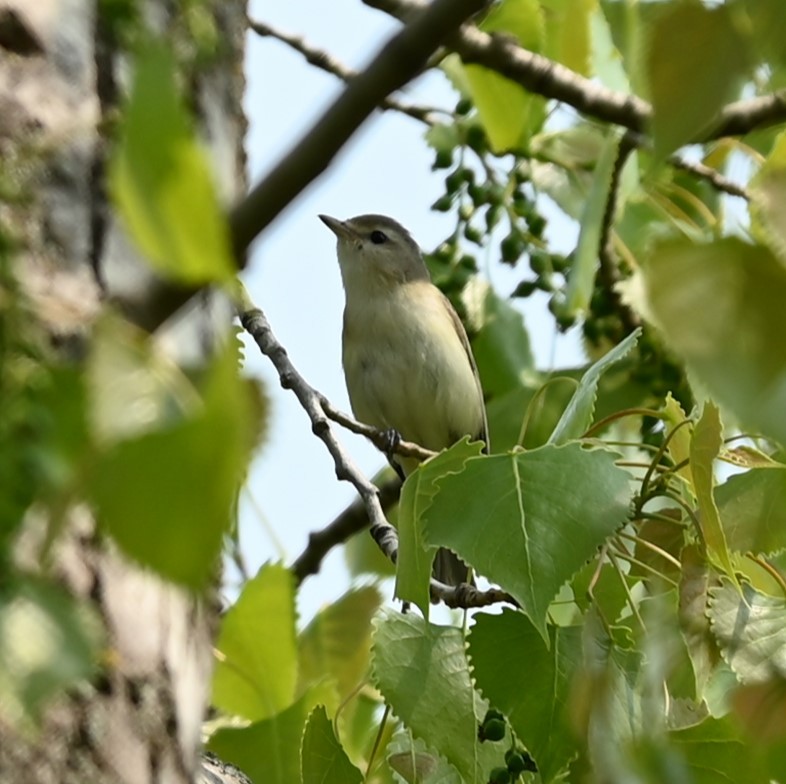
(407,361)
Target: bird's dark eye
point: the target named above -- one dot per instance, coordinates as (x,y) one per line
(378,237)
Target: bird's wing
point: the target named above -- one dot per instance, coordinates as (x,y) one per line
(462,333)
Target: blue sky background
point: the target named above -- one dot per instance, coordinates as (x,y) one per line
(293,274)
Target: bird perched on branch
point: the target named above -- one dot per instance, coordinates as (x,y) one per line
(407,360)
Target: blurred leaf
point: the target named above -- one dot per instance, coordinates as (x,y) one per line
(581,280)
(768,197)
(529,520)
(577,417)
(269,750)
(704,448)
(176,525)
(500,341)
(696,60)
(323,761)
(576,147)
(529,683)
(49,642)
(422,671)
(679,436)
(720,306)
(752,507)
(415,557)
(695,583)
(509,114)
(768,24)
(161,181)
(750,628)
(257,668)
(134,387)
(337,643)
(416,764)
(600,588)
(568,32)
(666,536)
(714,752)
(607,61)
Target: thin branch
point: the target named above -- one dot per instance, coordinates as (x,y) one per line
(348,523)
(325,61)
(256,324)
(714,177)
(544,77)
(397,63)
(534,72)
(379,438)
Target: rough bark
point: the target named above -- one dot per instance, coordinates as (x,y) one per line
(63,73)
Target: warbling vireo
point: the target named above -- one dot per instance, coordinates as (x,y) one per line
(407,360)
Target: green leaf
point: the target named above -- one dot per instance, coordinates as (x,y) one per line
(714,751)
(269,750)
(750,628)
(177,524)
(500,341)
(415,557)
(509,114)
(337,643)
(696,60)
(529,520)
(416,763)
(577,417)
(323,761)
(768,196)
(568,32)
(752,508)
(704,448)
(607,60)
(720,307)
(48,643)
(422,671)
(161,181)
(581,280)
(696,581)
(529,683)
(256,671)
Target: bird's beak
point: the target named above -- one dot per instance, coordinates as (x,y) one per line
(338,227)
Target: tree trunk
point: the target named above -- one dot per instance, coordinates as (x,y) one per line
(63,72)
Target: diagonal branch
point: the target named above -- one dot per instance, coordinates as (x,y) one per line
(398,62)
(545,77)
(325,61)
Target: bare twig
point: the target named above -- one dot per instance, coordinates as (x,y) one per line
(714,177)
(544,77)
(351,521)
(256,324)
(399,61)
(325,61)
(379,438)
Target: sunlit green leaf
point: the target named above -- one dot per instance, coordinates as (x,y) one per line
(720,307)
(257,667)
(768,197)
(577,417)
(567,26)
(509,114)
(161,182)
(190,473)
(697,57)
(337,643)
(704,449)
